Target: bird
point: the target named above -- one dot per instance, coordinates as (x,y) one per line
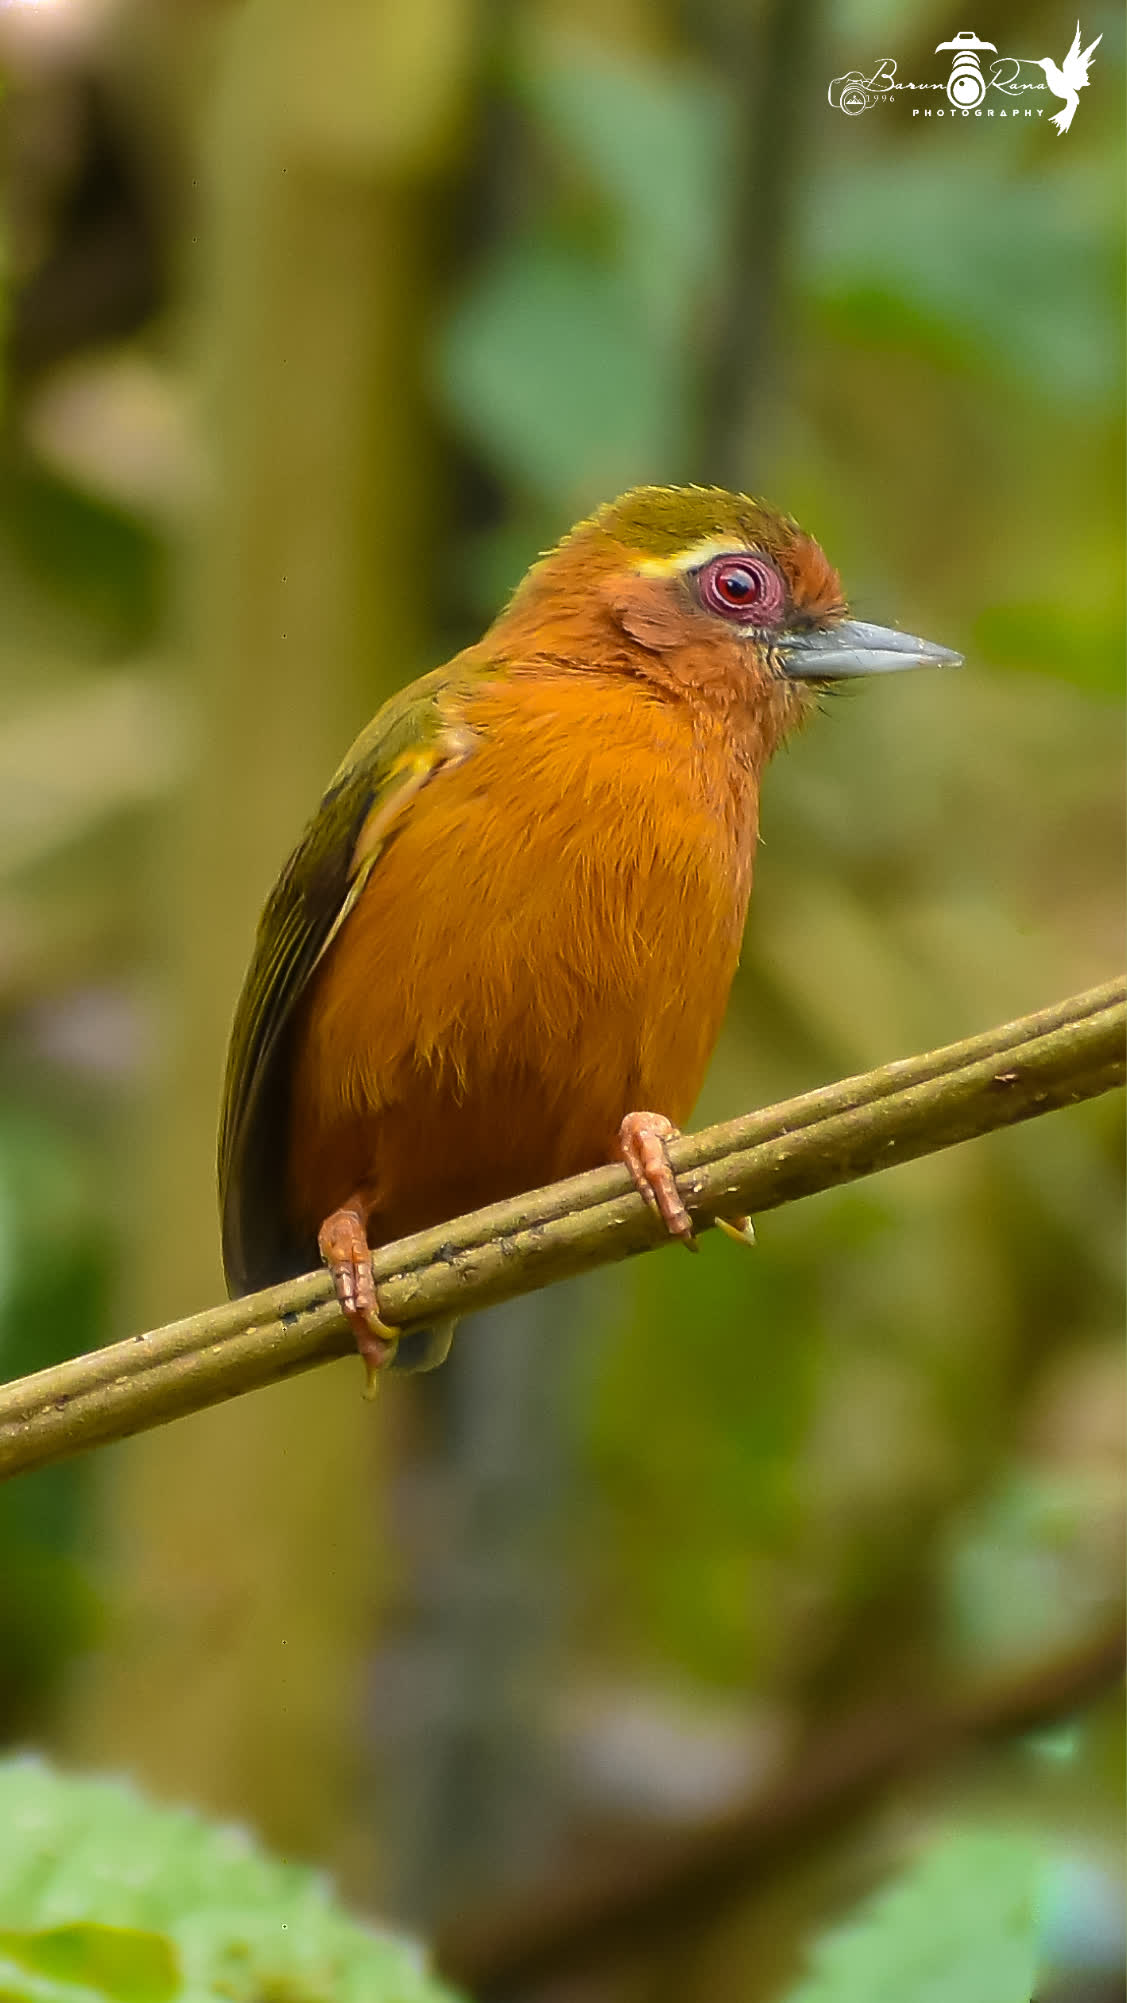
(1069,81)
(501,951)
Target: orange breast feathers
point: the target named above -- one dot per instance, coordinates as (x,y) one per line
(546,943)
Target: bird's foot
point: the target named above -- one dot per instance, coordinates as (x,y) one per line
(643,1144)
(344,1248)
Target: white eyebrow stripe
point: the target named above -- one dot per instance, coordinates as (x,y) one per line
(689,559)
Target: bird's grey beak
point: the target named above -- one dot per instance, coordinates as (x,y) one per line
(856,648)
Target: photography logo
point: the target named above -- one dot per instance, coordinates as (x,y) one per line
(1006,81)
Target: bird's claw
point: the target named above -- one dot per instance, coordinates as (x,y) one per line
(741,1229)
(643,1144)
(343,1244)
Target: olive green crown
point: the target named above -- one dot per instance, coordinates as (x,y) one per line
(660,521)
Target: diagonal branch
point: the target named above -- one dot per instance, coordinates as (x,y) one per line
(589,1917)
(914,1107)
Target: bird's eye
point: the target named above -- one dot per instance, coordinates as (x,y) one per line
(747,589)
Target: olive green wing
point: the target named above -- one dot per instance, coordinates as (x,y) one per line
(412,737)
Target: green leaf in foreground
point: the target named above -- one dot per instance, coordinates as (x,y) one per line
(119,1963)
(960,1927)
(104,1897)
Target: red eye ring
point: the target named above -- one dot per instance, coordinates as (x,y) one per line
(745,588)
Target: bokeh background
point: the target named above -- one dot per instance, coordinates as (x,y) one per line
(320,322)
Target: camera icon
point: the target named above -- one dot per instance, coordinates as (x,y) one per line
(854,100)
(854,94)
(966,85)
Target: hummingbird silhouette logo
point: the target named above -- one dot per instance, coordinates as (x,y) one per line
(1070,80)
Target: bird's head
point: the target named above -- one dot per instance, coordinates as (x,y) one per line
(706,589)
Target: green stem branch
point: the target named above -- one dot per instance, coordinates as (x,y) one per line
(914,1107)
(691,1878)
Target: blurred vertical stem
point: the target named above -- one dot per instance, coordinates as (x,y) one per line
(766,56)
(243,1549)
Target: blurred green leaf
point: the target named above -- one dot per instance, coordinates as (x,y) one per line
(1019,1577)
(120,1964)
(959,1928)
(543,366)
(566,361)
(1026,283)
(656,140)
(82,1857)
(1080,1913)
(101,564)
